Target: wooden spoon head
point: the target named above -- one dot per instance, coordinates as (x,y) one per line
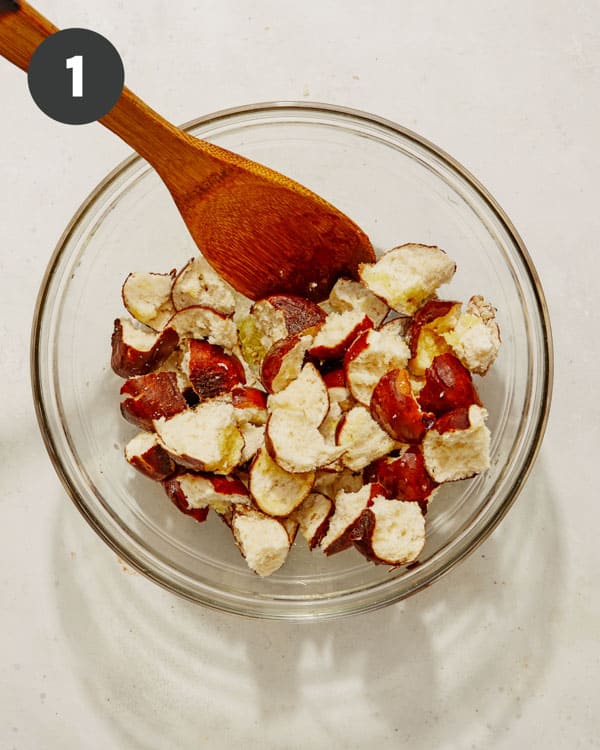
(265,233)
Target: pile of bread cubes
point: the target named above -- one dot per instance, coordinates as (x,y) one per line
(339,420)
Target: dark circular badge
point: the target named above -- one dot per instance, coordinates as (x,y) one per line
(76,76)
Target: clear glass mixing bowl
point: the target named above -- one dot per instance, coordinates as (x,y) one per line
(398,188)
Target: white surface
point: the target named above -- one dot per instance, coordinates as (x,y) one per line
(504,652)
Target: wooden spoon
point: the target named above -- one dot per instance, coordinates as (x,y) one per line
(260,230)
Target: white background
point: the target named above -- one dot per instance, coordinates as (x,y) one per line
(504,652)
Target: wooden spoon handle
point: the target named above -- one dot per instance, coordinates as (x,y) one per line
(23,29)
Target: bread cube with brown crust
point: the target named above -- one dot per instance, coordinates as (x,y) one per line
(284,315)
(296,445)
(137,351)
(147,297)
(448,386)
(426,332)
(210,369)
(284,361)
(404,477)
(275,491)
(149,397)
(250,405)
(199,284)
(198,322)
(348,294)
(348,510)
(264,542)
(293,438)
(361,439)
(272,319)
(205,438)
(396,410)
(458,445)
(176,495)
(406,276)
(338,332)
(390,532)
(475,339)
(313,517)
(146,455)
(193,491)
(306,395)
(369,358)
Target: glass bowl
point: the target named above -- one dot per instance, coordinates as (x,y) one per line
(399,188)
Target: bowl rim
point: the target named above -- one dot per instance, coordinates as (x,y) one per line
(532,449)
